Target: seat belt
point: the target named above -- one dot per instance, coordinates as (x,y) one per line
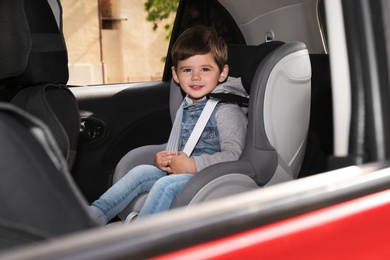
(200,125)
(173,142)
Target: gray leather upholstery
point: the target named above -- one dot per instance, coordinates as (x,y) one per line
(277,77)
(279,112)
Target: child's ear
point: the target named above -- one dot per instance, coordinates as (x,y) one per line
(174,75)
(224,73)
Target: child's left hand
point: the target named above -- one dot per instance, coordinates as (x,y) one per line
(182,164)
(162,160)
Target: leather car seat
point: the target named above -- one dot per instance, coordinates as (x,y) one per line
(34,68)
(277,77)
(278,121)
(39,198)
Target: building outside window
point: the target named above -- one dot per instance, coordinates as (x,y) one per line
(110,41)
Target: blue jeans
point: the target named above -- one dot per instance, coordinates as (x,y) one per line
(144,178)
(163,193)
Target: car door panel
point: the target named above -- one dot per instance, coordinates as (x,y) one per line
(116,119)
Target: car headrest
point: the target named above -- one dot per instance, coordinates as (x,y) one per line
(253,60)
(237,55)
(33,49)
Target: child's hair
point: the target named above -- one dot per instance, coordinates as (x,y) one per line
(200,40)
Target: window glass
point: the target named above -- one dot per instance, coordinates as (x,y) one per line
(213,14)
(207,12)
(111,41)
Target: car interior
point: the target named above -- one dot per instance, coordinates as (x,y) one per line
(38,156)
(62,146)
(35,67)
(268,67)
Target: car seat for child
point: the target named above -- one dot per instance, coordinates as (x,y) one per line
(34,68)
(277,77)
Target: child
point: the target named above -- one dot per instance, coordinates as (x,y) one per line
(200,67)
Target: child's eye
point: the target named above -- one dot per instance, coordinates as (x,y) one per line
(186,70)
(205,69)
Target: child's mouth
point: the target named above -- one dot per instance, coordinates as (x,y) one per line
(196,87)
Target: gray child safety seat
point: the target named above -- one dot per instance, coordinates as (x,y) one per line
(277,77)
(34,68)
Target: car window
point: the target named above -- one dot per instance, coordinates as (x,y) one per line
(205,12)
(111,41)
(210,13)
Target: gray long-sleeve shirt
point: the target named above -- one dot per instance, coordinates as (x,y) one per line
(232,124)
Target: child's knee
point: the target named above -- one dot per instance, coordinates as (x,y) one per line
(167,186)
(138,172)
(141,169)
(161,184)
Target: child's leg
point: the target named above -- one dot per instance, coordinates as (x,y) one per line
(114,200)
(163,193)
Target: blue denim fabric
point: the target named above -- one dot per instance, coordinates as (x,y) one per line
(209,140)
(163,193)
(140,179)
(147,178)
(162,190)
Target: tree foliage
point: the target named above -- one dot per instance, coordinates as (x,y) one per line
(160,10)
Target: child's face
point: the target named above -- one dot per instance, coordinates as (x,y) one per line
(199,75)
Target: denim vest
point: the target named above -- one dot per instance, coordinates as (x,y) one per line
(209,140)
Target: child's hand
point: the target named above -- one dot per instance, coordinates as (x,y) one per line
(182,164)
(163,159)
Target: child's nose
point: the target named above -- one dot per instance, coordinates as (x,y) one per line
(195,75)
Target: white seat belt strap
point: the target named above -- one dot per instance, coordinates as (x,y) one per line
(173,141)
(200,125)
